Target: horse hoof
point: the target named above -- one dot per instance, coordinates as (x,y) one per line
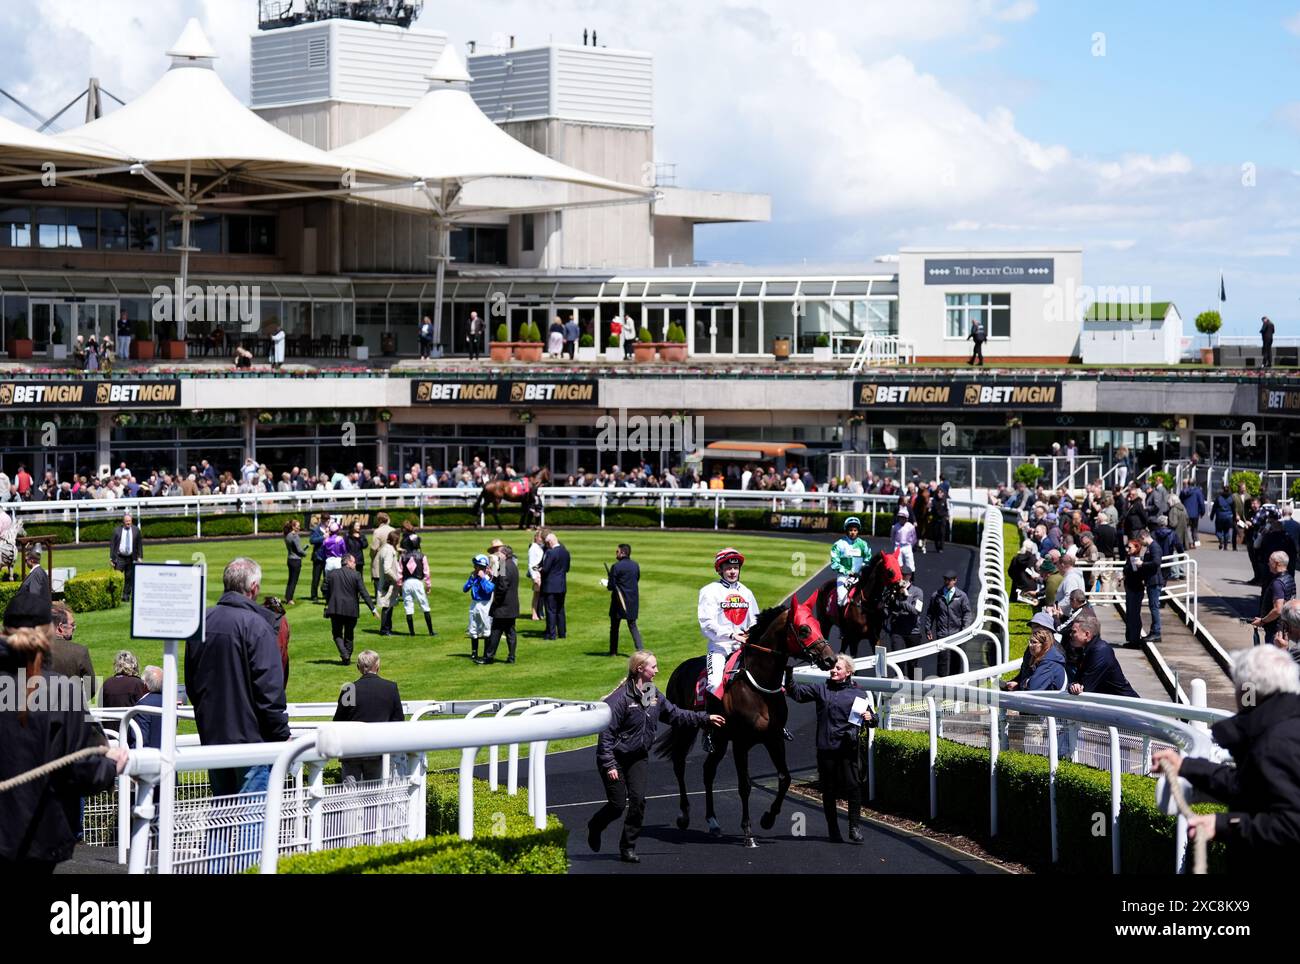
(751,843)
(767,821)
(714,829)
(683,822)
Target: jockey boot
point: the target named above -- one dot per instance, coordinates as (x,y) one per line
(428,622)
(410,625)
(712,705)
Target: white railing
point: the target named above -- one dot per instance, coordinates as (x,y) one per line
(1104,581)
(1253,341)
(875,350)
(231,834)
(207,507)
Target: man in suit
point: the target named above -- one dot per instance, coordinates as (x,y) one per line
(368,699)
(344,589)
(37,581)
(124,551)
(555,567)
(317,542)
(504,608)
(1266,329)
(624,597)
(977,335)
(66,657)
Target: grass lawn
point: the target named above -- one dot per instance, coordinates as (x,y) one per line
(674,565)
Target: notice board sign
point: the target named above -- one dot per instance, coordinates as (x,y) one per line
(167,601)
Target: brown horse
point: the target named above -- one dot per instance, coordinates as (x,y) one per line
(754,705)
(508,490)
(864,616)
(921,514)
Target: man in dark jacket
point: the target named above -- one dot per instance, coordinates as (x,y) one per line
(838,750)
(1134,517)
(317,541)
(235,679)
(949,612)
(1090,663)
(39,819)
(1279,590)
(66,657)
(504,608)
(37,580)
(903,613)
(125,549)
(624,596)
(368,699)
(344,590)
(1266,329)
(940,517)
(1262,786)
(554,569)
(1193,498)
(977,335)
(623,750)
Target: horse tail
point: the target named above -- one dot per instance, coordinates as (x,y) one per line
(677,741)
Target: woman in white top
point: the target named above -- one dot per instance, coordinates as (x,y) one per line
(535,553)
(277,347)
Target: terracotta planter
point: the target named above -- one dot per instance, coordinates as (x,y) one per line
(172,350)
(141,350)
(528,351)
(1207,356)
(781,348)
(21,348)
(500,351)
(644,351)
(670,351)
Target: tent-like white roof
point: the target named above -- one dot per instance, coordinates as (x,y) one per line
(444,138)
(190,116)
(19,144)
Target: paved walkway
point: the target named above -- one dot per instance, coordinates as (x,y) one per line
(1226,596)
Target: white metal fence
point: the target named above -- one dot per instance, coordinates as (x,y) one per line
(230,834)
(876,350)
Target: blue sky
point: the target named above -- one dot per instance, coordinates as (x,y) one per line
(881,123)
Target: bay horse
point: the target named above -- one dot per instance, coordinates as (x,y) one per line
(921,514)
(863,617)
(754,705)
(523,491)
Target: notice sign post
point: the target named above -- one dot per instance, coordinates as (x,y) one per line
(167,604)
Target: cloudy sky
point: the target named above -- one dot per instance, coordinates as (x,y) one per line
(1162,137)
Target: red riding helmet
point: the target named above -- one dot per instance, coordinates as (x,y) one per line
(725,556)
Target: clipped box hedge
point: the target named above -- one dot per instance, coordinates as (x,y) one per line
(86,592)
(1024,814)
(505,840)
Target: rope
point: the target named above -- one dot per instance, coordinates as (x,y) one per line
(1200,844)
(47,768)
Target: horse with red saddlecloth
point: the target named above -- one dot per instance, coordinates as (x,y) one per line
(754,704)
(522,490)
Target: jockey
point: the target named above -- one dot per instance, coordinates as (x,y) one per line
(849,556)
(726,610)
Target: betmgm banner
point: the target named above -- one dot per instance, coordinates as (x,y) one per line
(93,393)
(1279,399)
(966,395)
(506,391)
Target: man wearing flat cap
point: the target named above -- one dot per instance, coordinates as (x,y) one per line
(948,613)
(903,613)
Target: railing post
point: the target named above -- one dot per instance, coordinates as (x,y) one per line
(602,508)
(419,501)
(1052,764)
(717,503)
(1114,799)
(255,532)
(465,817)
(1199,698)
(663,504)
(994,746)
(198,520)
(932,713)
(541,509)
(316,807)
(76,515)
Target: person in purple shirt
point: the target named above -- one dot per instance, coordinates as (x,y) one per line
(334,548)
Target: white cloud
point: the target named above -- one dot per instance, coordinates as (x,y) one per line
(1292,24)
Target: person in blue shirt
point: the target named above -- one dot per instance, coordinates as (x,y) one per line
(480,588)
(1043,666)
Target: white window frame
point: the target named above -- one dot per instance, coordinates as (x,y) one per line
(965,310)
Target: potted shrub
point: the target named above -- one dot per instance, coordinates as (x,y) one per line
(674,350)
(142,343)
(781,348)
(1207,323)
(1028,473)
(822,351)
(644,349)
(357,349)
(20,345)
(586,348)
(529,346)
(500,349)
(613,350)
(169,346)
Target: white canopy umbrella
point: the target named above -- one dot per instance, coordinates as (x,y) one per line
(189,122)
(448,142)
(26,155)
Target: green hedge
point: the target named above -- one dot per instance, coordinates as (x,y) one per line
(87,592)
(1024,827)
(505,840)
